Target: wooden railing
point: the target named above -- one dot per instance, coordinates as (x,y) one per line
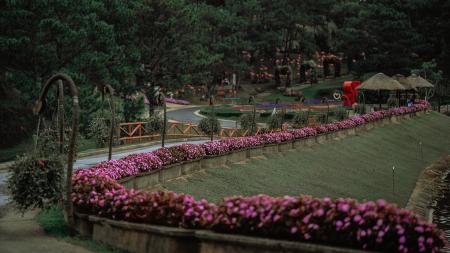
(136,131)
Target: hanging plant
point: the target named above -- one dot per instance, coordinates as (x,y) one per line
(36,182)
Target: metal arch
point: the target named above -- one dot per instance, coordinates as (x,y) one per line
(108,89)
(38,109)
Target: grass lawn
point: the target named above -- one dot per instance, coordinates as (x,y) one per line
(52,221)
(357,167)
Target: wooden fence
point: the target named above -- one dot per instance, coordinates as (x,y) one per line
(136,131)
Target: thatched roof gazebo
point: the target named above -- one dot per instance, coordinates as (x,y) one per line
(379,82)
(404,81)
(419,82)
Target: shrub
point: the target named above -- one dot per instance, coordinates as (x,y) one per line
(36,182)
(360,109)
(209,125)
(322,118)
(154,124)
(247,123)
(341,113)
(166,156)
(216,147)
(275,122)
(99,130)
(300,119)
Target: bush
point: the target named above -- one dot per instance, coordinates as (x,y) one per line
(300,119)
(35,182)
(154,124)
(360,109)
(322,118)
(341,113)
(99,130)
(275,121)
(247,123)
(209,125)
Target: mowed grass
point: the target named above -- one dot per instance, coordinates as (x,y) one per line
(357,167)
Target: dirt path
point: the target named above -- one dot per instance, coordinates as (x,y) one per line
(22,234)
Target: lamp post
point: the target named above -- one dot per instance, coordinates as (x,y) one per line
(211,104)
(251,101)
(324,99)
(162,101)
(112,106)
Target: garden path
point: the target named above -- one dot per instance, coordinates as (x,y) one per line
(20,234)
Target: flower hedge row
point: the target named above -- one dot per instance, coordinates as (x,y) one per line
(371,225)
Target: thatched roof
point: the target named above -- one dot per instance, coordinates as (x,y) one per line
(404,81)
(419,82)
(380,81)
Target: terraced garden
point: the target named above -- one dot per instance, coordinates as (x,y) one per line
(358,167)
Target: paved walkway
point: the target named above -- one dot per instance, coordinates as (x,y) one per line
(22,235)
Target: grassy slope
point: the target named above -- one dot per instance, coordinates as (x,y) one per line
(358,167)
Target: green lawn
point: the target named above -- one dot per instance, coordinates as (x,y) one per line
(358,167)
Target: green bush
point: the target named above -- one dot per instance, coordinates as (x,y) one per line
(99,131)
(209,125)
(154,124)
(300,119)
(322,118)
(360,109)
(36,182)
(341,113)
(247,123)
(275,121)
(222,112)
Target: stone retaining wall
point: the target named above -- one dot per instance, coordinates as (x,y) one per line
(154,178)
(144,238)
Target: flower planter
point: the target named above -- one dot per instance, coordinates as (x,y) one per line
(285,146)
(378,123)
(311,141)
(321,138)
(395,119)
(128,182)
(341,134)
(360,129)
(191,166)
(225,243)
(213,161)
(386,121)
(351,131)
(270,149)
(148,179)
(255,151)
(142,238)
(170,172)
(236,156)
(300,144)
(368,125)
(145,238)
(82,225)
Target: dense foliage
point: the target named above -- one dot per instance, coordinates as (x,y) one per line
(107,42)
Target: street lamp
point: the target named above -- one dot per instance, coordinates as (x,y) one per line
(211,104)
(162,101)
(251,100)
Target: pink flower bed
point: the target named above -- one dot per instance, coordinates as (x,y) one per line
(370,225)
(216,147)
(177,101)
